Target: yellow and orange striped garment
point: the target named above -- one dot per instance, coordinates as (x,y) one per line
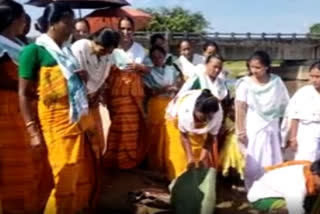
(25,175)
(157,136)
(125,145)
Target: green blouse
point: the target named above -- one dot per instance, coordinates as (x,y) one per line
(31,59)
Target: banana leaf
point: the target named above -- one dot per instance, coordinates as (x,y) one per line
(194,192)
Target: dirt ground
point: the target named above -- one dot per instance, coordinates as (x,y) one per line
(117,186)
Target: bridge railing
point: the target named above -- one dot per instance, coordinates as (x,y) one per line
(233,36)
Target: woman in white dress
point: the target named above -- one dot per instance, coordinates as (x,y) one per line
(304,112)
(261,99)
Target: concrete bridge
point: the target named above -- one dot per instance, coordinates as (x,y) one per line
(239,46)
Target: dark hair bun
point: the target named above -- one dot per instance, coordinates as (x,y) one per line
(52,14)
(9,11)
(207,103)
(315,167)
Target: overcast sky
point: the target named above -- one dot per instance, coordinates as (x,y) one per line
(240,16)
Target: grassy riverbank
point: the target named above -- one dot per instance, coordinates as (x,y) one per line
(239,68)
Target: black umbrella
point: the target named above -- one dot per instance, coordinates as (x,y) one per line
(77,4)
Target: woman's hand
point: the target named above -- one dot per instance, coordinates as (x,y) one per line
(242,138)
(36,137)
(191,163)
(134,67)
(172,88)
(292,143)
(204,158)
(94,99)
(83,74)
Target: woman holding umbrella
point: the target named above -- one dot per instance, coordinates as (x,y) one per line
(125,146)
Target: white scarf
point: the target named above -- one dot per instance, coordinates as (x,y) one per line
(198,59)
(77,94)
(11,48)
(270,100)
(160,77)
(217,87)
(122,58)
(188,69)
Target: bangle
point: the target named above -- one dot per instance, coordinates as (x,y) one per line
(293,138)
(36,134)
(240,132)
(30,123)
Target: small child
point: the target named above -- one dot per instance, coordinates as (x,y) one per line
(231,156)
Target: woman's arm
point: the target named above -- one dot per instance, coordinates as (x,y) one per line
(26,96)
(134,67)
(187,148)
(207,148)
(292,142)
(241,113)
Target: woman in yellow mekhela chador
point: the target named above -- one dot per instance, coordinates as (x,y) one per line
(163,82)
(25,175)
(231,155)
(197,115)
(61,103)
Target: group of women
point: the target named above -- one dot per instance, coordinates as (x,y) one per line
(167,111)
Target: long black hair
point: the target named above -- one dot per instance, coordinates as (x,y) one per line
(106,37)
(9,11)
(52,14)
(315,167)
(206,103)
(263,57)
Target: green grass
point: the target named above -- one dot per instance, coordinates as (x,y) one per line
(239,68)
(236,68)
